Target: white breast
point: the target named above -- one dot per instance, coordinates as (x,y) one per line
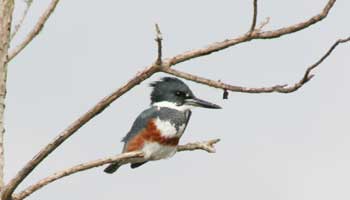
(156,151)
(166,128)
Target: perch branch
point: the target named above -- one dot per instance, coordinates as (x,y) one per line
(277,88)
(21,20)
(125,158)
(36,30)
(122,158)
(207,146)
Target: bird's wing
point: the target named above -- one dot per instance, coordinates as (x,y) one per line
(188,114)
(140,123)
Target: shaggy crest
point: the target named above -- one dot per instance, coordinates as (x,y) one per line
(165,88)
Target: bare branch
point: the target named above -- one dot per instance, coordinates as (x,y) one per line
(277,88)
(248,37)
(36,30)
(263,24)
(307,75)
(219,84)
(20,22)
(6,12)
(255,15)
(76,125)
(123,158)
(159,43)
(299,26)
(207,146)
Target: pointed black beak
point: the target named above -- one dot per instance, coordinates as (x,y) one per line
(201,103)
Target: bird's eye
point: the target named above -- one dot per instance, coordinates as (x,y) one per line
(180,94)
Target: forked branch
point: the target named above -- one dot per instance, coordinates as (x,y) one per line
(251,36)
(35,31)
(21,20)
(285,88)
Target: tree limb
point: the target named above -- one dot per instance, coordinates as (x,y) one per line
(123,158)
(6,12)
(277,88)
(36,30)
(297,27)
(248,37)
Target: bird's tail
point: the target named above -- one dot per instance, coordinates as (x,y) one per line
(110,169)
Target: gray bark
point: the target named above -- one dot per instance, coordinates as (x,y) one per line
(6,9)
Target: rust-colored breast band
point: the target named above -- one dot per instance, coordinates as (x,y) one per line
(150,134)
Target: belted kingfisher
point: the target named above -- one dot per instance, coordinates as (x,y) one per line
(157,130)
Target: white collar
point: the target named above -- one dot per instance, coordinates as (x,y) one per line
(172,105)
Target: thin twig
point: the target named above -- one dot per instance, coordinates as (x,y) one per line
(36,30)
(255,15)
(159,44)
(263,24)
(277,88)
(307,75)
(124,158)
(20,22)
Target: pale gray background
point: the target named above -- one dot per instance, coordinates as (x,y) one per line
(274,146)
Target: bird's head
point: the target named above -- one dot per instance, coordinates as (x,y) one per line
(174,93)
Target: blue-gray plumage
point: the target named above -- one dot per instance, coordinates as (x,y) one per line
(157,130)
(177,118)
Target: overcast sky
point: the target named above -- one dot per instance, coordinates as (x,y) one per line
(274,146)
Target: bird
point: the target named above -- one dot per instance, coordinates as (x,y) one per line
(157,130)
